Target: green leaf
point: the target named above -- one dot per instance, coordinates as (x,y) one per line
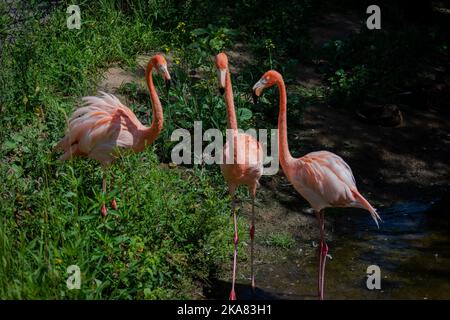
(199,31)
(216,44)
(244,114)
(9,145)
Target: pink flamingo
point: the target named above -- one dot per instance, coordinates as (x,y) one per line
(242,167)
(321,177)
(103,126)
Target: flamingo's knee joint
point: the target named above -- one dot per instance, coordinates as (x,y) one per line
(103,210)
(323,249)
(252,232)
(236,239)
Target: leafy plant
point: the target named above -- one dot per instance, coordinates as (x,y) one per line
(349,87)
(212,38)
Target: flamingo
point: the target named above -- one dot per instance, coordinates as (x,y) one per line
(103,126)
(243,167)
(321,177)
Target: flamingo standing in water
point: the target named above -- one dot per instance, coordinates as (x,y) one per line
(103,125)
(242,162)
(321,177)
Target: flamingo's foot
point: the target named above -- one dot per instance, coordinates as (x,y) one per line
(323,258)
(232,295)
(114,204)
(253,284)
(320,294)
(104,211)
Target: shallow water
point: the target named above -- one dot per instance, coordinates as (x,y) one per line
(412,249)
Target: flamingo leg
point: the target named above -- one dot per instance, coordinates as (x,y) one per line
(125,197)
(323,251)
(320,257)
(236,241)
(104,192)
(252,236)
(113,202)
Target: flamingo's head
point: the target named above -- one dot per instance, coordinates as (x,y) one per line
(222,66)
(269,79)
(160,64)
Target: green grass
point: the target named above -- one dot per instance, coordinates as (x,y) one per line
(167,222)
(171,224)
(280,240)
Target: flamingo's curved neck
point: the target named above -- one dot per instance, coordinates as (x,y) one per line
(283,147)
(156,126)
(229,102)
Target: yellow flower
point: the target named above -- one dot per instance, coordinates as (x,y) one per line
(181,26)
(270,44)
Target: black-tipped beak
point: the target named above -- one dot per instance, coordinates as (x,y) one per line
(167,81)
(221,90)
(255,97)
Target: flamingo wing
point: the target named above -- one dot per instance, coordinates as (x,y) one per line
(327,176)
(98,127)
(247,165)
(326,180)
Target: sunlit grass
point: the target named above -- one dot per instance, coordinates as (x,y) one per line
(279,240)
(170,227)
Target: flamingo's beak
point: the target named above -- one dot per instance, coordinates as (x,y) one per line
(255,97)
(168,82)
(258,89)
(222,73)
(164,71)
(166,75)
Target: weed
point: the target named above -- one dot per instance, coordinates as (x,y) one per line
(280,240)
